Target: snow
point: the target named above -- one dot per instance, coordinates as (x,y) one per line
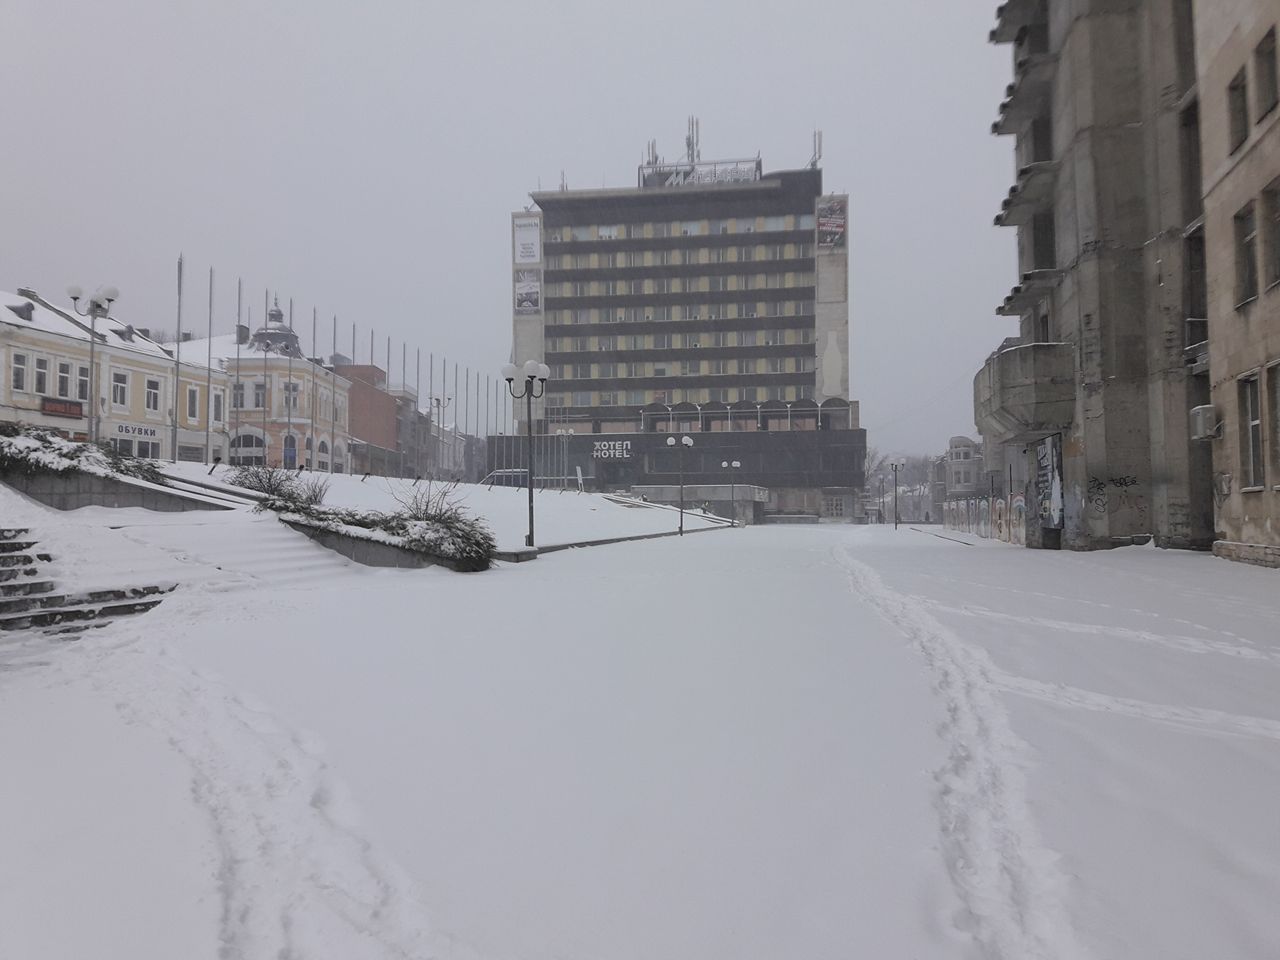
(559,517)
(112,332)
(823,741)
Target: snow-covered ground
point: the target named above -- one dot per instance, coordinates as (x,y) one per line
(782,741)
(559,516)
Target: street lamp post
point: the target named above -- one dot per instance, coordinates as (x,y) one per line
(564,436)
(441,404)
(685,441)
(535,385)
(99,306)
(732,466)
(896,465)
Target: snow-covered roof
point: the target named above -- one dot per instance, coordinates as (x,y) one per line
(197,352)
(31,311)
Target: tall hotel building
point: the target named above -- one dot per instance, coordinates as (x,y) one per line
(710,300)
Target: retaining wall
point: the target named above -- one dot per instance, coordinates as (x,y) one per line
(73,490)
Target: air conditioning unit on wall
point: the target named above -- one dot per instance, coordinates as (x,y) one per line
(1205,424)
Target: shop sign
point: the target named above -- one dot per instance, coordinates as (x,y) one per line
(131,430)
(54,407)
(611,450)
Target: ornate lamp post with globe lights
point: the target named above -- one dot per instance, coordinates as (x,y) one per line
(99,306)
(732,466)
(535,385)
(685,441)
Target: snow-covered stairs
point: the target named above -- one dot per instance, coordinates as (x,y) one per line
(253,548)
(31,599)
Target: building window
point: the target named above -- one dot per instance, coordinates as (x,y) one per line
(1246,227)
(1238,109)
(607,399)
(805,221)
(1273,396)
(42,376)
(719,367)
(746,310)
(746,254)
(635,230)
(693,340)
(750,394)
(19,376)
(120,389)
(662,341)
(582,399)
(152,394)
(746,338)
(1271,233)
(775,365)
(217,406)
(1264,62)
(719,226)
(746,366)
(608,370)
(717,311)
(607,233)
(148,449)
(805,393)
(690,368)
(193,404)
(635,397)
(690,228)
(259,395)
(237,396)
(1251,474)
(662,229)
(64,380)
(606,343)
(609,288)
(806,336)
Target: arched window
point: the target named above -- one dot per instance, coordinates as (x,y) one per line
(324,448)
(339,458)
(247,440)
(290,451)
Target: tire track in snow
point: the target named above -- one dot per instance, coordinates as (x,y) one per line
(1009,882)
(1193,718)
(1172,641)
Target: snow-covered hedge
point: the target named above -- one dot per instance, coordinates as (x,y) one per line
(29,450)
(429,521)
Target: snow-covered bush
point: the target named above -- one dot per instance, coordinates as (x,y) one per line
(430,521)
(29,450)
(271,481)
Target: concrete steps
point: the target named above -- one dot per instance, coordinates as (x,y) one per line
(32,600)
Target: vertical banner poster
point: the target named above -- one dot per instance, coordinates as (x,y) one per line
(833,221)
(1049,481)
(528,291)
(527,239)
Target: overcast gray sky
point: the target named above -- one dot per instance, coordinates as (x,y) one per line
(364,158)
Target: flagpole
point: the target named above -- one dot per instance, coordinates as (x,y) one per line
(177,368)
(208,381)
(315,447)
(238,388)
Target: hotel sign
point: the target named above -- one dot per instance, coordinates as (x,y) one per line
(611,450)
(72,409)
(699,174)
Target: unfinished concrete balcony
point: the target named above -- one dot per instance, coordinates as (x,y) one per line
(1030,195)
(1025,391)
(1014,16)
(1035,286)
(1028,96)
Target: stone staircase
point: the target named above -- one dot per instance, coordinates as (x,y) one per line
(30,599)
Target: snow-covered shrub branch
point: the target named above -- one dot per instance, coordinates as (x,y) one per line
(29,450)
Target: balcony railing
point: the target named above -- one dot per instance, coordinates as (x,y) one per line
(1035,286)
(1014,16)
(1031,194)
(1028,96)
(1025,391)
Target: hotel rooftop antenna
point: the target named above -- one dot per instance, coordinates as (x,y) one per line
(817,149)
(692,140)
